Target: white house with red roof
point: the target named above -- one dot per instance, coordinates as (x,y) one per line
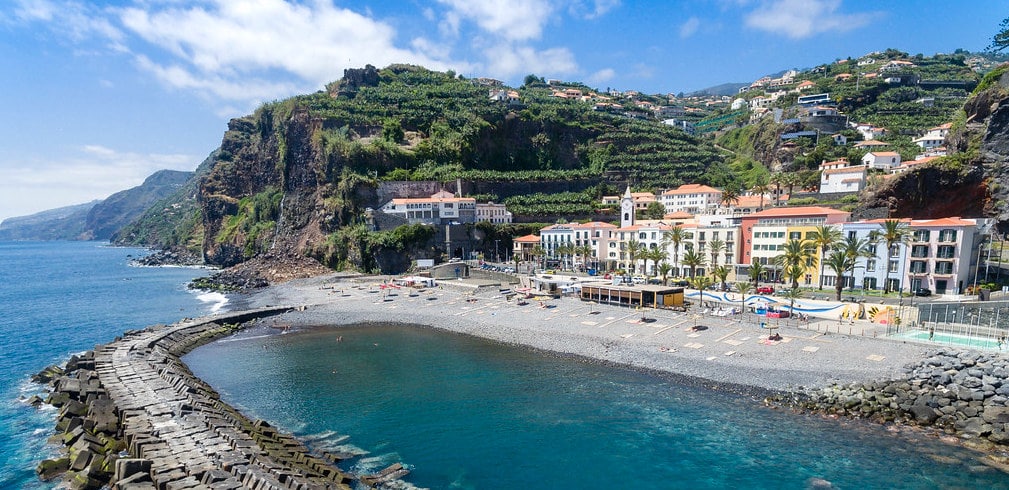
(839,176)
(692,198)
(440,208)
(882,160)
(934,137)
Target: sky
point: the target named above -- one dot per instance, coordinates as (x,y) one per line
(99,94)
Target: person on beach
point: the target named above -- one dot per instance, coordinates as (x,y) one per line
(931,332)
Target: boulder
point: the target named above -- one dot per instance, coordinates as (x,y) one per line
(51,468)
(923,414)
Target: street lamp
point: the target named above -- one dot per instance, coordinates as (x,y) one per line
(497,258)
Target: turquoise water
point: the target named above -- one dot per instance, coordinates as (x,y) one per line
(59,298)
(951,339)
(467,413)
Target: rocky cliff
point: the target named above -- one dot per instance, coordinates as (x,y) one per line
(972,181)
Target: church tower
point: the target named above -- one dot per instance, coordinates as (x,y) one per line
(627,209)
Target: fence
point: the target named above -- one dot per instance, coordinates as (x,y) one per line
(974,324)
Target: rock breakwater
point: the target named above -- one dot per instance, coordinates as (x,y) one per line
(132,416)
(960,392)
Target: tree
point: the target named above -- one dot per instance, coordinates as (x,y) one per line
(760,187)
(893,234)
(744,289)
(730,196)
(538,252)
(701,283)
(563,251)
(693,260)
(715,247)
(756,270)
(839,262)
(655,210)
(584,251)
(777,180)
(656,255)
(664,269)
(720,272)
(794,257)
(824,237)
(792,295)
(634,250)
(1000,41)
(392,130)
(675,236)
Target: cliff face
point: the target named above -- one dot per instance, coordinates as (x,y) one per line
(972,181)
(272,191)
(121,208)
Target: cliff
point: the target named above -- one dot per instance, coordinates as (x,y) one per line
(294,179)
(66,223)
(972,180)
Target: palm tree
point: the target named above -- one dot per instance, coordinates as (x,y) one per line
(894,233)
(791,180)
(795,256)
(693,260)
(777,180)
(675,236)
(715,247)
(720,272)
(538,252)
(634,250)
(730,196)
(664,269)
(701,283)
(744,289)
(824,237)
(564,251)
(839,262)
(760,187)
(756,270)
(656,255)
(792,295)
(584,251)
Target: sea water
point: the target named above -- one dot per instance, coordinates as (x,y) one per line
(61,298)
(468,413)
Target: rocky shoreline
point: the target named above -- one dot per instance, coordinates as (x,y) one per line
(962,393)
(132,416)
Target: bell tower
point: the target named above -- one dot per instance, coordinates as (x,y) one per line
(627,209)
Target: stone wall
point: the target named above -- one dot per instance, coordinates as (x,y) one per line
(136,395)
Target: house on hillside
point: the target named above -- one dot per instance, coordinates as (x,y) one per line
(934,137)
(882,160)
(839,176)
(441,208)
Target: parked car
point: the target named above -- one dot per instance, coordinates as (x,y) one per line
(765,290)
(923,292)
(681,283)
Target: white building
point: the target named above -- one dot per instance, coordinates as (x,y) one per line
(692,198)
(493,213)
(934,137)
(442,207)
(882,160)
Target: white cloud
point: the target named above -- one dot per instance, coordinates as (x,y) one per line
(515,20)
(506,61)
(93,172)
(799,19)
(595,9)
(689,28)
(602,76)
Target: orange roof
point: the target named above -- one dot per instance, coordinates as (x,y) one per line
(845,170)
(751,201)
(595,224)
(884,153)
(527,239)
(421,200)
(918,161)
(798,211)
(871,143)
(691,189)
(951,221)
(678,215)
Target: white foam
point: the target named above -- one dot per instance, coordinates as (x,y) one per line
(218,300)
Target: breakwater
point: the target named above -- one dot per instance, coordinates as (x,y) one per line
(965,393)
(132,415)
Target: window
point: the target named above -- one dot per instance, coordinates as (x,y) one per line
(945,251)
(919,251)
(947,236)
(700,235)
(728,235)
(795,235)
(893,266)
(921,235)
(642,236)
(895,251)
(945,268)
(449,205)
(852,235)
(919,267)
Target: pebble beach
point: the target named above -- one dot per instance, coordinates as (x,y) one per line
(719,350)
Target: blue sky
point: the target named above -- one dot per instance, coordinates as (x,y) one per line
(97,95)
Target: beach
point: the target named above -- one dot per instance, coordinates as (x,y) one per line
(730,350)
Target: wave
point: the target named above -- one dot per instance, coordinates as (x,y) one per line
(218,300)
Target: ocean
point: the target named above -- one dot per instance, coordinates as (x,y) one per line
(60,298)
(461,412)
(467,413)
